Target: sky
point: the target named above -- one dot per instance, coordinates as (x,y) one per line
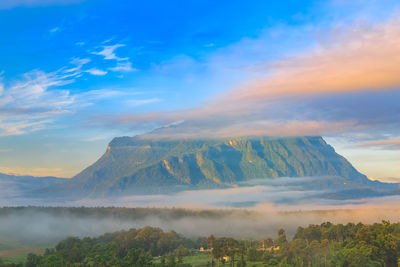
(76,73)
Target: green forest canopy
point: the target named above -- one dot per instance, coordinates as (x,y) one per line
(316,245)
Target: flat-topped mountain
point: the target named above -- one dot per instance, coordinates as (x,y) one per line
(143,164)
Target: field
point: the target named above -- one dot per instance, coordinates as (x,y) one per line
(201,260)
(14,253)
(11,252)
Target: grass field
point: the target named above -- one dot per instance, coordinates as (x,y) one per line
(15,253)
(11,252)
(201,260)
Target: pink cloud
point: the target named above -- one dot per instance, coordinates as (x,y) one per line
(386,143)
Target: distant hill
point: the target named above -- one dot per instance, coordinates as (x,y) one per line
(143,164)
(15,185)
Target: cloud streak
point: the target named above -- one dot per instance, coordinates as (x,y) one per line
(37,99)
(384,144)
(8,4)
(123,67)
(29,105)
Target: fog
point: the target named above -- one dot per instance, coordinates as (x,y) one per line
(45,227)
(253,210)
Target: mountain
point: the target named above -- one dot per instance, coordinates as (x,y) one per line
(15,185)
(143,164)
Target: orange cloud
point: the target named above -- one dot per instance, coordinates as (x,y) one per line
(364,57)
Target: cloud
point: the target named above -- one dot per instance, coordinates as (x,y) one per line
(56,29)
(96,72)
(139,102)
(8,4)
(124,67)
(97,138)
(28,105)
(317,91)
(108,52)
(79,63)
(356,59)
(199,221)
(35,101)
(393,143)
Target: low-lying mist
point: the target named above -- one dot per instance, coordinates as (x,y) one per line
(252,210)
(48,226)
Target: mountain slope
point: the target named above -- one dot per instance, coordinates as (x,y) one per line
(14,185)
(146,165)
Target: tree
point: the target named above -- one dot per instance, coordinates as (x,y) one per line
(180,252)
(211,242)
(267,242)
(281,240)
(32,260)
(217,252)
(171,260)
(242,262)
(252,254)
(390,250)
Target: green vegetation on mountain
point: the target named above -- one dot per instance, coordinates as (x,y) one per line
(143,164)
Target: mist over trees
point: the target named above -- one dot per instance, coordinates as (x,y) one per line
(326,244)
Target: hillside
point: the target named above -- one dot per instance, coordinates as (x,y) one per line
(140,164)
(15,185)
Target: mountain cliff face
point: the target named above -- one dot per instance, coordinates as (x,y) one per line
(141,165)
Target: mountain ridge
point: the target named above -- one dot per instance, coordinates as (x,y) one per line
(14,185)
(144,164)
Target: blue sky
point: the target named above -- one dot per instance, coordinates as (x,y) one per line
(76,73)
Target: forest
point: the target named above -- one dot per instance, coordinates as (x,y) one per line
(326,244)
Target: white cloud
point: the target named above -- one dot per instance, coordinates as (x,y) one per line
(16,127)
(139,102)
(55,29)
(96,72)
(36,101)
(108,52)
(123,66)
(98,138)
(79,63)
(29,105)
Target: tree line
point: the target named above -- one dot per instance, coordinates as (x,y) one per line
(316,245)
